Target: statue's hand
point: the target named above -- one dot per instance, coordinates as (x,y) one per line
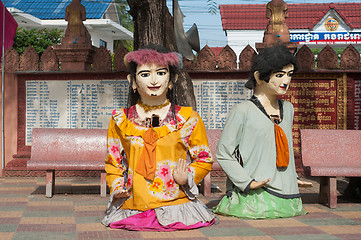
(180,173)
(122,193)
(304,184)
(255,185)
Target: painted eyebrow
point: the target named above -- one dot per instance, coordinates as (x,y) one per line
(162,69)
(143,71)
(147,71)
(284,71)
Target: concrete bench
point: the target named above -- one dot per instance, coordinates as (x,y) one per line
(68,149)
(213,138)
(57,149)
(328,154)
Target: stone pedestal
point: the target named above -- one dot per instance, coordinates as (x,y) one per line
(75,57)
(290,45)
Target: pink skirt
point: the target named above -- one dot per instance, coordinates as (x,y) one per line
(147,221)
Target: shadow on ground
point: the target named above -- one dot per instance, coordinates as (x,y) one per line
(73,190)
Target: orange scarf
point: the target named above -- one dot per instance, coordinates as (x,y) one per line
(283,155)
(147,162)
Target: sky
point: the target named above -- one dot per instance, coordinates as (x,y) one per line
(210,26)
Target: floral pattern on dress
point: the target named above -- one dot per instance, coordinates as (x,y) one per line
(170,122)
(163,185)
(130,179)
(164,171)
(156,186)
(136,140)
(118,183)
(192,171)
(187,130)
(118,116)
(201,153)
(114,149)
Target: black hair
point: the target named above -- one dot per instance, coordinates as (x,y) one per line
(269,60)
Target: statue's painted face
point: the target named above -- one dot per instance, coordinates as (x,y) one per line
(152,80)
(280,81)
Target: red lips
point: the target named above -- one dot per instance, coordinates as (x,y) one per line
(154,88)
(283,86)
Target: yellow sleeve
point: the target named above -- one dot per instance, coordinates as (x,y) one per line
(199,151)
(115,162)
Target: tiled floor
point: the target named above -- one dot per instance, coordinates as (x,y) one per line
(76,210)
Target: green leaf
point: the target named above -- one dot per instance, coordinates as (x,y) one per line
(40,39)
(212,7)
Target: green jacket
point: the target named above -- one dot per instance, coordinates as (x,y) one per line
(250,133)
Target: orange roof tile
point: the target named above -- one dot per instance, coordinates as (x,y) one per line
(300,16)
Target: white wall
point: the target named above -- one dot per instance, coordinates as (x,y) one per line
(320,26)
(96,40)
(238,40)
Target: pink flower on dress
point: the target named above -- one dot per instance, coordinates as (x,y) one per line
(170,184)
(115,161)
(119,160)
(186,139)
(172,122)
(114,148)
(130,181)
(164,172)
(114,112)
(203,154)
(114,151)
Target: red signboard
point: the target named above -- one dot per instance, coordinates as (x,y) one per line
(357,110)
(315,104)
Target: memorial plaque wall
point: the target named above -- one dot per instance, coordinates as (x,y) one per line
(89,103)
(72,104)
(317,104)
(216,98)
